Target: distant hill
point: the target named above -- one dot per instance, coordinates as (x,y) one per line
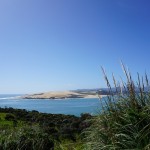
(106,91)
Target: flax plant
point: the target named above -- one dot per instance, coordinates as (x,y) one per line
(124,121)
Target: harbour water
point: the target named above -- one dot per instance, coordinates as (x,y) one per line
(60,106)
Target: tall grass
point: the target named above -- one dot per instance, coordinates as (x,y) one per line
(124,122)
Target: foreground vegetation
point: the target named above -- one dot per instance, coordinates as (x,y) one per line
(124,122)
(31,130)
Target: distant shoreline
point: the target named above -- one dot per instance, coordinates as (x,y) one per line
(63,95)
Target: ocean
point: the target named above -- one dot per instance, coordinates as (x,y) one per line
(70,106)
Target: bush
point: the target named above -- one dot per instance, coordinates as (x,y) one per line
(25,138)
(124,122)
(10,117)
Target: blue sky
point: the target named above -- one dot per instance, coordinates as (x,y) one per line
(61,44)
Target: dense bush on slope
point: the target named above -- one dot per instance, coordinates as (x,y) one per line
(21,129)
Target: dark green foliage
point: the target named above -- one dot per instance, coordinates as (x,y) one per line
(39,131)
(10,117)
(25,138)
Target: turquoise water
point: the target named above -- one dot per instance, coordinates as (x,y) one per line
(62,106)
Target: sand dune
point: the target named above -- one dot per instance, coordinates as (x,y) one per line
(62,95)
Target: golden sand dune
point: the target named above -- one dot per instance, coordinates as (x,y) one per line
(61,95)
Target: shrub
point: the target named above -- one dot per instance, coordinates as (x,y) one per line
(25,138)
(10,117)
